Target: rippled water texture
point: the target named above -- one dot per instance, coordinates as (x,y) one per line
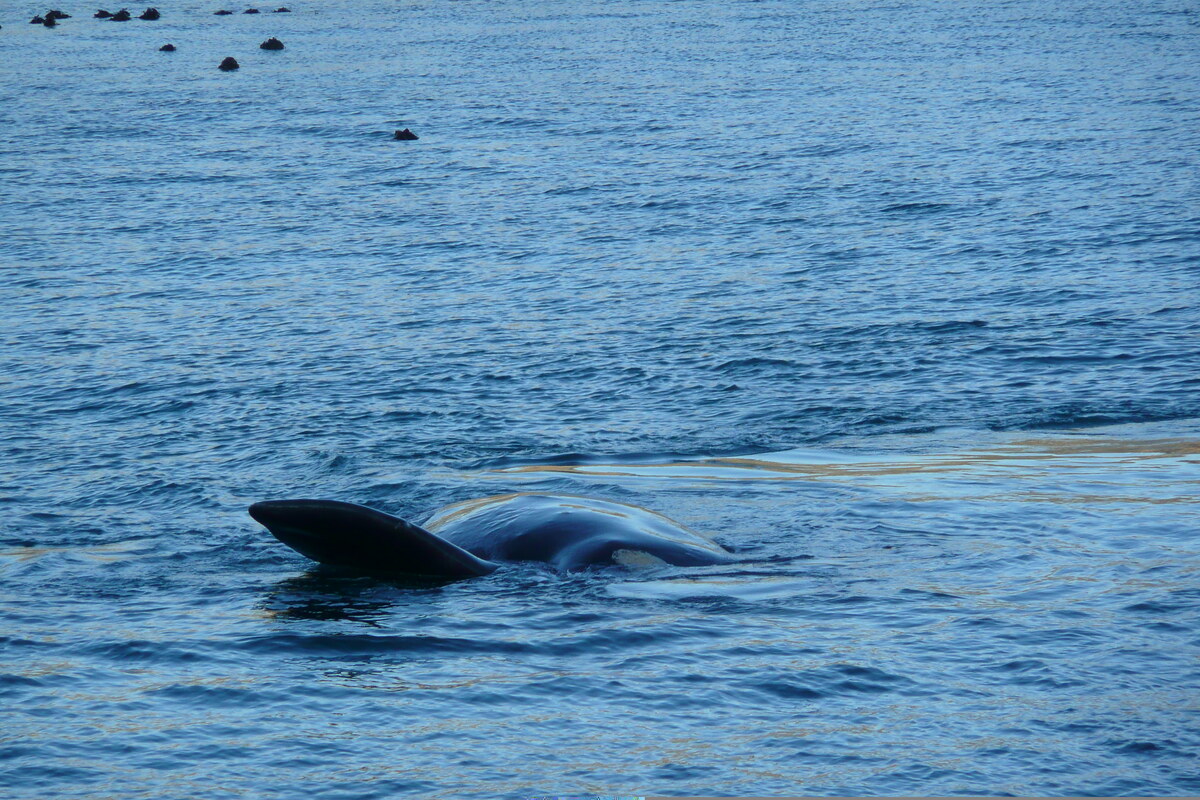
(898,301)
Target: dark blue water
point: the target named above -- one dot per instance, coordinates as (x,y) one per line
(897,300)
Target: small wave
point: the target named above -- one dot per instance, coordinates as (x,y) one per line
(570,190)
(408,415)
(789,690)
(916,208)
(147,651)
(953,325)
(832,681)
(753,364)
(9,682)
(354,644)
(1073,416)
(828,151)
(204,696)
(577,460)
(1047,144)
(1151,607)
(515,122)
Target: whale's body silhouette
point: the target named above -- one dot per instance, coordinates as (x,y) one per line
(473,538)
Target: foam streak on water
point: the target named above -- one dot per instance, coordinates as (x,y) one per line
(898,300)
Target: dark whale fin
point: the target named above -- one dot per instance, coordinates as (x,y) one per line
(354,536)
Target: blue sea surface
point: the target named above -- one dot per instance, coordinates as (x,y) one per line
(898,300)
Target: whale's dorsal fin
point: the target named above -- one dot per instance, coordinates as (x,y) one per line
(350,535)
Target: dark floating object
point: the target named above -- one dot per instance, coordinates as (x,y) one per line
(102,14)
(406,136)
(222,13)
(250,11)
(49,22)
(468,539)
(121,16)
(282,10)
(150,14)
(230,63)
(58,14)
(38,21)
(272,44)
(167,48)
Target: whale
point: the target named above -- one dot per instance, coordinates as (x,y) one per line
(476,537)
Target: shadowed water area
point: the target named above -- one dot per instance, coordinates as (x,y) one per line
(896,301)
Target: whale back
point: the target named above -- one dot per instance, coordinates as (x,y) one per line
(465,540)
(568,532)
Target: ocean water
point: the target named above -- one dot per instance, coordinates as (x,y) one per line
(897,300)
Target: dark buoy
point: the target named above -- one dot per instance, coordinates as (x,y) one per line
(102,14)
(282,10)
(406,136)
(167,48)
(222,13)
(272,44)
(250,11)
(121,16)
(150,14)
(230,63)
